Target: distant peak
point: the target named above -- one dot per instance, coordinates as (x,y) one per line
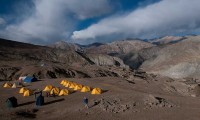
(64,45)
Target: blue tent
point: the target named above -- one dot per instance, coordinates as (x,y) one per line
(29,79)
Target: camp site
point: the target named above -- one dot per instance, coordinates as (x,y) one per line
(57,94)
(99,59)
(64,98)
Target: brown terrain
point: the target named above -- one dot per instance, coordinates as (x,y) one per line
(167,40)
(140,80)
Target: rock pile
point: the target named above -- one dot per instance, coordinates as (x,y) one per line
(115,105)
(152,101)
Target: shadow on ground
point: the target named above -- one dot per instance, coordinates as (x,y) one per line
(27,103)
(54,101)
(95,104)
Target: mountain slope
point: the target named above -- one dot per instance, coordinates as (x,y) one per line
(167,40)
(61,60)
(15,51)
(177,60)
(119,47)
(65,46)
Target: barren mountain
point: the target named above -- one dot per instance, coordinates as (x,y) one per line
(177,60)
(136,58)
(11,51)
(167,39)
(65,45)
(59,60)
(119,47)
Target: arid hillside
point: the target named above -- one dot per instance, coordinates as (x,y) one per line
(119,47)
(177,60)
(59,60)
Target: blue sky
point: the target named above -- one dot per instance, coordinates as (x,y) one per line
(49,21)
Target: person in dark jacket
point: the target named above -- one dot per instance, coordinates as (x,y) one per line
(85,101)
(40,100)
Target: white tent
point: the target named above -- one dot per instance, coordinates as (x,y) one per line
(22,78)
(14,86)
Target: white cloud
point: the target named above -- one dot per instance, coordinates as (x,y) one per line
(53,20)
(162,18)
(48,21)
(2,21)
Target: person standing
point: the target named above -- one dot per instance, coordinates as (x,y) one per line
(85,101)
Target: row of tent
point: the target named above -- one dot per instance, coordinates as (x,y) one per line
(27,79)
(28,92)
(80,87)
(24,91)
(56,91)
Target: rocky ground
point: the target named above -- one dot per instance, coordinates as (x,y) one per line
(142,99)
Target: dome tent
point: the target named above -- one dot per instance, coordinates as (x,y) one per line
(7,85)
(55,91)
(78,87)
(48,88)
(28,93)
(96,91)
(22,90)
(30,79)
(14,86)
(64,92)
(86,89)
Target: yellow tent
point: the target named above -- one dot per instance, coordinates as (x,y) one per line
(96,91)
(64,92)
(86,89)
(65,83)
(68,84)
(22,90)
(14,86)
(55,91)
(48,88)
(7,85)
(78,87)
(28,93)
(62,82)
(72,85)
